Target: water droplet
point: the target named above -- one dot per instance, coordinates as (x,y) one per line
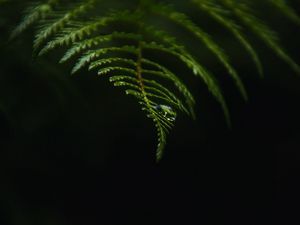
(195,71)
(166,111)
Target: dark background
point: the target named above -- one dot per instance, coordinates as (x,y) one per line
(74,150)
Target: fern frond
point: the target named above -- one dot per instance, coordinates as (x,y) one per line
(266,34)
(163,116)
(286,9)
(217,12)
(33,14)
(94,54)
(102,62)
(88,43)
(59,23)
(115,78)
(110,69)
(184,21)
(199,71)
(83,30)
(116,44)
(167,74)
(164,93)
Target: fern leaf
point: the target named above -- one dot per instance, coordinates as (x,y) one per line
(60,22)
(33,14)
(105,61)
(266,34)
(198,70)
(286,9)
(184,21)
(163,91)
(122,78)
(134,93)
(114,43)
(83,30)
(167,74)
(94,54)
(126,84)
(221,16)
(81,46)
(107,70)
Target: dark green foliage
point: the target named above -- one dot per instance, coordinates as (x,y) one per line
(116,42)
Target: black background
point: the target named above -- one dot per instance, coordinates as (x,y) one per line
(74,150)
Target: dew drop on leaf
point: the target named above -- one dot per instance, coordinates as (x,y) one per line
(166,111)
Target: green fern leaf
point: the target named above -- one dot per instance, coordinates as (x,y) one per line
(286,9)
(266,34)
(167,74)
(59,23)
(217,12)
(198,70)
(81,46)
(184,21)
(117,42)
(93,55)
(79,31)
(33,14)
